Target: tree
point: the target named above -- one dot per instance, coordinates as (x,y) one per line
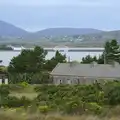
(111,53)
(106,52)
(59,58)
(28,61)
(28,66)
(88,59)
(112,93)
(100,60)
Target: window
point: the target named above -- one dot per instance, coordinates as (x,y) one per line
(78,81)
(3,80)
(60,81)
(69,81)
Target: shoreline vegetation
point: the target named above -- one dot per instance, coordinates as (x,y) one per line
(6,49)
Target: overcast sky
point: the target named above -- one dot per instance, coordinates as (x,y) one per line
(35,15)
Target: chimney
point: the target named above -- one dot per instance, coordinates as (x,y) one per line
(69,59)
(93,64)
(73,63)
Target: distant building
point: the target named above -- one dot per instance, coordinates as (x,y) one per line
(76,73)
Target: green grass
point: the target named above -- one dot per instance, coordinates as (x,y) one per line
(28,95)
(18,91)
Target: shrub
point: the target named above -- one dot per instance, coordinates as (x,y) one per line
(18,102)
(74,107)
(24,84)
(94,107)
(4,92)
(12,102)
(44,109)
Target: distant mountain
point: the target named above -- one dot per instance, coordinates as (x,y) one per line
(66,31)
(12,34)
(9,30)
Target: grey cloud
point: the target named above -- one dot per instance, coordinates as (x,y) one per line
(101,14)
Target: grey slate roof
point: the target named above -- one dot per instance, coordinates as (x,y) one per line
(87,70)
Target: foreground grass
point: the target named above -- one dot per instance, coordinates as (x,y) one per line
(12,115)
(31,114)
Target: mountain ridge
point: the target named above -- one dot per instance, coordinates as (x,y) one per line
(7,29)
(10,33)
(65,31)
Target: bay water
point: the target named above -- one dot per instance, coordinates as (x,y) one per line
(6,56)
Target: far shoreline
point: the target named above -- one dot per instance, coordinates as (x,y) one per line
(67,49)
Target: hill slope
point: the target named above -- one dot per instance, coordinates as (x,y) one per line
(66,31)
(9,30)
(102,37)
(12,34)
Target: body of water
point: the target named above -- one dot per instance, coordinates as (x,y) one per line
(6,56)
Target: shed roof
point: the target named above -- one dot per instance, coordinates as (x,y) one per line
(87,70)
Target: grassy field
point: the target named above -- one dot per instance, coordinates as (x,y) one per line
(18,91)
(28,95)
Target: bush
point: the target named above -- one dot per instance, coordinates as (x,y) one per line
(44,109)
(24,84)
(74,107)
(18,102)
(70,99)
(76,99)
(95,108)
(4,90)
(13,102)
